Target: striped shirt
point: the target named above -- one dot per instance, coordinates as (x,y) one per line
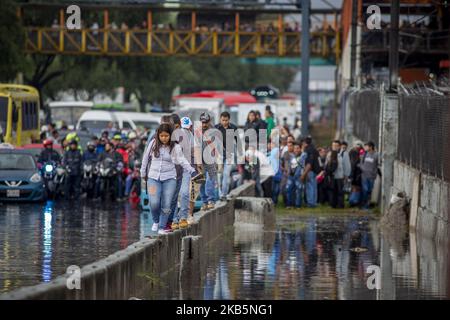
(163,167)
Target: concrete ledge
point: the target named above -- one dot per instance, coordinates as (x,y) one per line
(430,202)
(258,211)
(120,275)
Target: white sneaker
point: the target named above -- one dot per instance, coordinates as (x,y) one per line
(162,231)
(191,220)
(155,227)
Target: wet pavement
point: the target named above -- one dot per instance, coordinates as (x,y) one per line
(304,257)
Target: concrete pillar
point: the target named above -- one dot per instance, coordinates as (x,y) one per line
(191,267)
(305,55)
(388,145)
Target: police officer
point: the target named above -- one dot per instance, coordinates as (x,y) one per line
(72,161)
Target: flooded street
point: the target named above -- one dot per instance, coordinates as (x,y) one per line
(306,257)
(315,257)
(39,242)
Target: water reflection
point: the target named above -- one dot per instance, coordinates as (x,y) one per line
(317,258)
(39,241)
(47,243)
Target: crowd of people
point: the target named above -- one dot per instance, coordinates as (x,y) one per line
(308,176)
(288,168)
(124,150)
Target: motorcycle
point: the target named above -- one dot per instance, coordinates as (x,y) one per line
(107,173)
(48,173)
(89,178)
(59,180)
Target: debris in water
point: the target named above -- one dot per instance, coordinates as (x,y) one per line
(358,249)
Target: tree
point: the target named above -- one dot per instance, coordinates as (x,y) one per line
(11,41)
(153,79)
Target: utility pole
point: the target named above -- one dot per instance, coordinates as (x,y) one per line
(394,45)
(305,66)
(353,45)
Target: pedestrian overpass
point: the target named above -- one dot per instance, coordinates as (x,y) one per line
(244,37)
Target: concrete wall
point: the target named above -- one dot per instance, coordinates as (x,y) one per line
(430,202)
(122,274)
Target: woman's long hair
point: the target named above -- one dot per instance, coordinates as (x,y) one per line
(164,127)
(248,116)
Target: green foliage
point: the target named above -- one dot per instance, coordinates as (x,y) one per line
(11,41)
(84,76)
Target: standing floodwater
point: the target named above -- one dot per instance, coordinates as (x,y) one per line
(306,256)
(39,242)
(315,257)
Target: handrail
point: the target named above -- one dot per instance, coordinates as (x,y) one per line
(137,41)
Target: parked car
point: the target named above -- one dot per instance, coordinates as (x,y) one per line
(20,179)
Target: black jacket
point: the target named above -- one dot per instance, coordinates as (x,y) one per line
(73,160)
(49,155)
(112,155)
(223,131)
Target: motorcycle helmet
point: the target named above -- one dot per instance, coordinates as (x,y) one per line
(48,142)
(132,135)
(72,137)
(91,146)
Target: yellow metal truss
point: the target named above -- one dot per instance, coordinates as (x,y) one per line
(142,42)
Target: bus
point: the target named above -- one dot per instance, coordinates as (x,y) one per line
(19,114)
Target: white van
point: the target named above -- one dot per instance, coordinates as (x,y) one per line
(138,121)
(97,121)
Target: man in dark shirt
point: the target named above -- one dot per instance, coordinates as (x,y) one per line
(226,126)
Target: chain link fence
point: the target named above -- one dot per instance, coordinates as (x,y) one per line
(424,134)
(365,108)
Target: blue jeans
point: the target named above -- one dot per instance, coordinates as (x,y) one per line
(311,190)
(276,188)
(226,179)
(208,189)
(367,187)
(294,191)
(128,184)
(184,197)
(174,206)
(161,196)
